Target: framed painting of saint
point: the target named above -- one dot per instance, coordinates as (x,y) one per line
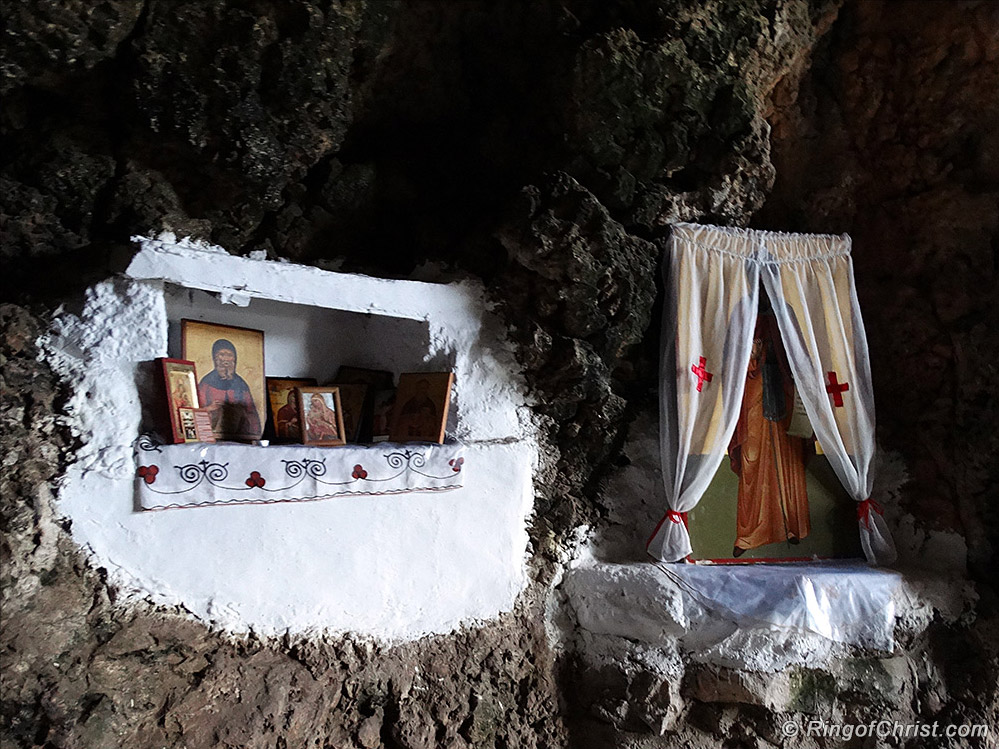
(196,424)
(374,381)
(421,405)
(352,399)
(283,401)
(321,416)
(233,390)
(775,498)
(181,381)
(382,406)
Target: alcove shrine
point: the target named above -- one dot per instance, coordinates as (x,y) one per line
(804,349)
(440,546)
(745,616)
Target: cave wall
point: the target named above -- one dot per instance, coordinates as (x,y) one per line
(891,137)
(545,148)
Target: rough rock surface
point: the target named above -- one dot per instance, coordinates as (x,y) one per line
(892,138)
(580,291)
(627,696)
(646,670)
(654,132)
(44,42)
(545,147)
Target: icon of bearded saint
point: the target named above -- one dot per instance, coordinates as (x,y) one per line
(227,396)
(770,463)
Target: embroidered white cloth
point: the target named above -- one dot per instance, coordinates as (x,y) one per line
(204,475)
(712,279)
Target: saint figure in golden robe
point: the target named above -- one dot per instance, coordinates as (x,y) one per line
(773,499)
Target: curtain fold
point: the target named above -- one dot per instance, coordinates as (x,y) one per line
(811,287)
(712,277)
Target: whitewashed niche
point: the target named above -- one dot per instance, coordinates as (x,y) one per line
(393,567)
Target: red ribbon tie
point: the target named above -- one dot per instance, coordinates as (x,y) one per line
(674,517)
(864,511)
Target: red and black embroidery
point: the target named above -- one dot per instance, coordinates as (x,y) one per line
(216,474)
(256,481)
(148,473)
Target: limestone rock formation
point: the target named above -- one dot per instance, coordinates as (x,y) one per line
(544,147)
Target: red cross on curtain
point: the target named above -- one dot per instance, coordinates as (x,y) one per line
(836,389)
(703,375)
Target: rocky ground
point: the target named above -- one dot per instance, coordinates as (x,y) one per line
(544,147)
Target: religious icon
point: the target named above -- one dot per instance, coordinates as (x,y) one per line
(776,498)
(283,401)
(352,399)
(233,390)
(421,407)
(770,464)
(196,424)
(187,426)
(181,390)
(375,381)
(383,403)
(321,416)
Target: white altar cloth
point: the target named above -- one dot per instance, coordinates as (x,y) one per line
(204,475)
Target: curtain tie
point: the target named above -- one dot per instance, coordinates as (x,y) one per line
(864,511)
(674,517)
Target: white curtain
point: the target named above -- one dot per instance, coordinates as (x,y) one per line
(712,282)
(712,277)
(809,279)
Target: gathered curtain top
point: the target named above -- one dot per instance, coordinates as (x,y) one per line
(763,246)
